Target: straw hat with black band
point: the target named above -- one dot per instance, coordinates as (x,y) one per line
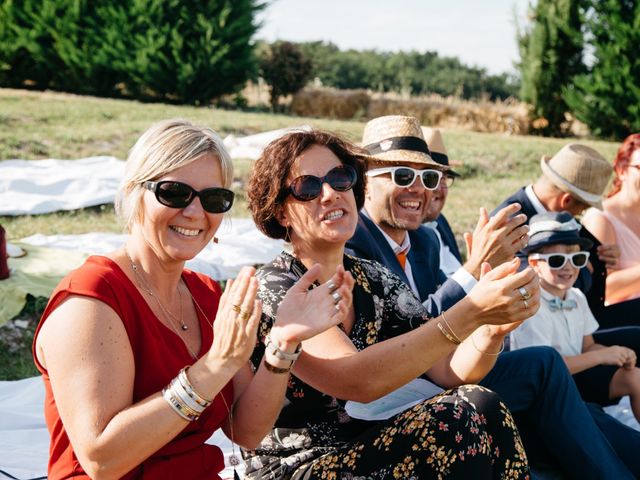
(579,171)
(433,137)
(398,139)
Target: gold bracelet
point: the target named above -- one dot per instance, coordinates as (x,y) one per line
(444,319)
(190,389)
(446,334)
(473,342)
(273,369)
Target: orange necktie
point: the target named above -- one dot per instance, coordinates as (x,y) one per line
(402,258)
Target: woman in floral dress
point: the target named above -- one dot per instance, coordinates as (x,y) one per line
(308,187)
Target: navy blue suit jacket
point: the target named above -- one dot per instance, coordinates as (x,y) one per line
(448,237)
(592,284)
(436,290)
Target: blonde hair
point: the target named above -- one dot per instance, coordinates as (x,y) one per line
(163,148)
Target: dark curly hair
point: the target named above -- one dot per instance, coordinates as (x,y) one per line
(270,172)
(623,158)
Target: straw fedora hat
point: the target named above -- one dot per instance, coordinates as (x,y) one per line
(396,138)
(580,171)
(433,137)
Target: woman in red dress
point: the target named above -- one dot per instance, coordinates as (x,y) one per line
(143,360)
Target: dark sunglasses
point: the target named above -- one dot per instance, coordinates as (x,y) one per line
(308,187)
(406,176)
(179,195)
(558,260)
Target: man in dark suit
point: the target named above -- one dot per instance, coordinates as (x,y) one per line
(574,179)
(534,383)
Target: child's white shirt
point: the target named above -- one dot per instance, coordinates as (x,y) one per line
(563,329)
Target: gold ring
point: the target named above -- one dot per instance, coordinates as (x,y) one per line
(524,293)
(526,305)
(236,308)
(244,315)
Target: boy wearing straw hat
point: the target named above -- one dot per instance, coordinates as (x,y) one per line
(533,382)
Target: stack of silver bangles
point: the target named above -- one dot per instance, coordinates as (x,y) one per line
(183,397)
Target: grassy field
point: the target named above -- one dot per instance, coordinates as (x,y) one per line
(35,125)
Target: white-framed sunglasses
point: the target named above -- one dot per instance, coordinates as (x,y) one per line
(558,260)
(406,176)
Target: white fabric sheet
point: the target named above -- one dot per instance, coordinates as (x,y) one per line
(43,186)
(240,244)
(29,187)
(24,439)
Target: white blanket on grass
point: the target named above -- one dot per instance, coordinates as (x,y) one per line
(240,243)
(31,187)
(24,440)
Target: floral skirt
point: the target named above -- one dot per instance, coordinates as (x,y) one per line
(466,432)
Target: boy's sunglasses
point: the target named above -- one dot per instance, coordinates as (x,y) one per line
(558,260)
(406,176)
(308,187)
(179,195)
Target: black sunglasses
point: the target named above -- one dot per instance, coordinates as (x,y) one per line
(308,187)
(179,195)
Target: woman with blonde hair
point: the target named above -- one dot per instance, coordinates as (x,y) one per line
(143,360)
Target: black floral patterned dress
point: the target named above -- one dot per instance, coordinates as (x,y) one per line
(465,432)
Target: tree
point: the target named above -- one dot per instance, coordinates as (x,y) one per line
(551,54)
(285,69)
(187,51)
(607,98)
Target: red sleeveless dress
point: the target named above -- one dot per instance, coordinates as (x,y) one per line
(158,356)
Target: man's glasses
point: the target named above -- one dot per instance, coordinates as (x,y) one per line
(558,260)
(447,180)
(308,187)
(179,195)
(405,176)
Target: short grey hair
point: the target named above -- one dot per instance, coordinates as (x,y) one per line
(163,148)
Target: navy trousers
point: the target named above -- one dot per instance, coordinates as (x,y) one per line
(585,442)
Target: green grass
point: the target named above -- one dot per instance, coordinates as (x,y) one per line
(37,125)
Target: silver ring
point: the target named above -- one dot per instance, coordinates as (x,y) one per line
(526,305)
(337,306)
(524,293)
(331,286)
(336,297)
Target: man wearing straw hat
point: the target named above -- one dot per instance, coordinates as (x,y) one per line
(450,257)
(533,382)
(574,179)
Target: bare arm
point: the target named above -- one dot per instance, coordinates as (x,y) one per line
(331,363)
(620,282)
(594,354)
(92,376)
